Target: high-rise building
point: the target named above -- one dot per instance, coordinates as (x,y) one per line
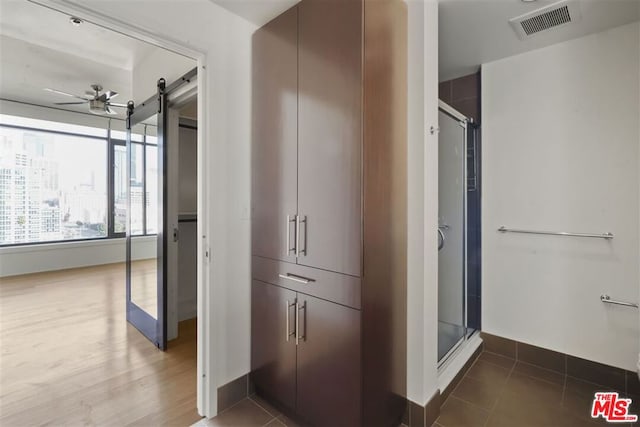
(25,180)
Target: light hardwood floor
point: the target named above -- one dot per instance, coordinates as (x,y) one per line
(68,356)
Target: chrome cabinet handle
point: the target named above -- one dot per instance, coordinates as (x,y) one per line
(296,278)
(297,236)
(298,335)
(289,305)
(298,221)
(290,249)
(304,221)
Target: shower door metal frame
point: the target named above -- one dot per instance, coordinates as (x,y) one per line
(464,122)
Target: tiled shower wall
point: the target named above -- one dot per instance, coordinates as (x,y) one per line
(463,94)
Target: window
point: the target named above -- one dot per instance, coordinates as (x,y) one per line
(46,194)
(119,188)
(65,182)
(151,162)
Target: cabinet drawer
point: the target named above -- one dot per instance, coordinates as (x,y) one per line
(339,288)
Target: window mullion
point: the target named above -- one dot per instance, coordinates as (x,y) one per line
(110,184)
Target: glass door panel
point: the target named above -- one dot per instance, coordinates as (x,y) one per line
(146,230)
(451,232)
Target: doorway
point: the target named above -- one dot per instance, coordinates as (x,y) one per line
(71,278)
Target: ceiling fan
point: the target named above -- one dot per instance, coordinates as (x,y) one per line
(98,103)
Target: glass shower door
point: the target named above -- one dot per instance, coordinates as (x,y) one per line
(452,152)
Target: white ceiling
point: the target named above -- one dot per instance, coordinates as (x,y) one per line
(258,12)
(26,69)
(40,48)
(45,27)
(474,32)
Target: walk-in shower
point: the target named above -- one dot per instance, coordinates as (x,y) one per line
(458,198)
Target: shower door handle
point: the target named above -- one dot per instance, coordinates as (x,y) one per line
(441,239)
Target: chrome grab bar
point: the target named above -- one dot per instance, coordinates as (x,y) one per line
(606,298)
(296,278)
(607,236)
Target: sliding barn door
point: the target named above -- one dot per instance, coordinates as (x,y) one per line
(147,199)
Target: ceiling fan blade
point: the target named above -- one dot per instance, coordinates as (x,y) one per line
(59,92)
(109,110)
(111,94)
(70,103)
(115,104)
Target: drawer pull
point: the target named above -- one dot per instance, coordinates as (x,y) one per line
(296,278)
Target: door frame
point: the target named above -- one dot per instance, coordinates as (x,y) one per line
(206,373)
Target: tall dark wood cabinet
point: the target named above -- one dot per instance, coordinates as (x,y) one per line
(275,136)
(329,200)
(330,133)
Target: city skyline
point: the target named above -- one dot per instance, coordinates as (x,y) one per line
(52,187)
(54,183)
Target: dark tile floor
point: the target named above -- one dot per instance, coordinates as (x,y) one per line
(497,391)
(250,412)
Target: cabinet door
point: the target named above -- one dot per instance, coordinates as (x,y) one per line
(273,347)
(329,381)
(330,134)
(274,137)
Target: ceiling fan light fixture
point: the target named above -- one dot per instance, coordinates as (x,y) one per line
(98,103)
(97,107)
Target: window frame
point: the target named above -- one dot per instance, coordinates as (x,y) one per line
(111,200)
(111,144)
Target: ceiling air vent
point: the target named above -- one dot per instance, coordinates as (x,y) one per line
(552,16)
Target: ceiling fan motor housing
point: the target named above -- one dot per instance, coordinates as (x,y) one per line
(97,107)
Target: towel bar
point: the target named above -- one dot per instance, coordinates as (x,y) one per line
(607,236)
(606,298)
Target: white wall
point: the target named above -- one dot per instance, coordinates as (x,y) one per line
(422,253)
(16,260)
(159,63)
(561,152)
